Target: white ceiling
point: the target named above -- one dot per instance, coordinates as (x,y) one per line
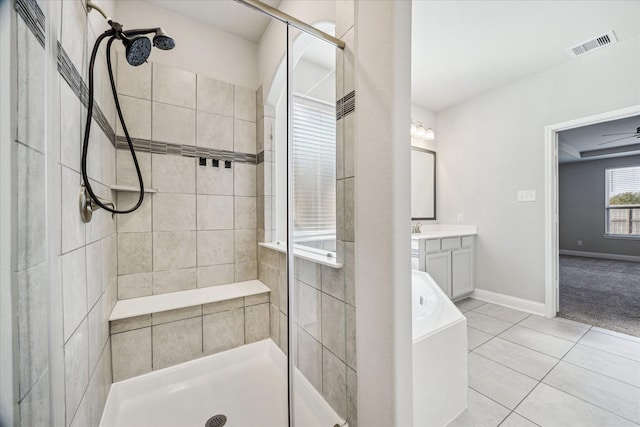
(461,49)
(574,141)
(226,15)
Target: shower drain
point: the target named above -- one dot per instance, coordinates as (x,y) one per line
(216,421)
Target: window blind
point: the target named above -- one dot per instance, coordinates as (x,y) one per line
(314,168)
(623,201)
(623,180)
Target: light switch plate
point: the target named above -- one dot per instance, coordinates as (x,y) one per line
(526,195)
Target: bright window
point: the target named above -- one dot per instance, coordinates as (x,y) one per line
(623,201)
(314,169)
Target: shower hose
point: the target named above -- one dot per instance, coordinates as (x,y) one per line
(113,34)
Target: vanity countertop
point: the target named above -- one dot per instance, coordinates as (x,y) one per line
(439,231)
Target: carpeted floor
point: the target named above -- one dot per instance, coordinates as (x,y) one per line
(601,292)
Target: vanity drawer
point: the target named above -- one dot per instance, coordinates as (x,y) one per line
(432,245)
(467,241)
(450,243)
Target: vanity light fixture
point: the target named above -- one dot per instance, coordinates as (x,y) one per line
(419,131)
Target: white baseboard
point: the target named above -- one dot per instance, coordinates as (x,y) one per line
(516,303)
(599,255)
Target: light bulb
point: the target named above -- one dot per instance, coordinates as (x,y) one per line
(429,134)
(413,129)
(421,133)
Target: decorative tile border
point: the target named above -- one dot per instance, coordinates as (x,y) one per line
(35,20)
(346,105)
(157,147)
(260,158)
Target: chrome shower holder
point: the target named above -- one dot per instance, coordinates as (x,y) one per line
(88,206)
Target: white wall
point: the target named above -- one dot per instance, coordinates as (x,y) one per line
(199,48)
(493,145)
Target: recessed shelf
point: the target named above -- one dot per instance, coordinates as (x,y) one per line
(131,189)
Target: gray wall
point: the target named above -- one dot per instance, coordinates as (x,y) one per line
(582,202)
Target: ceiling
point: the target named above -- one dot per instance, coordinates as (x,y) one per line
(461,49)
(226,15)
(574,144)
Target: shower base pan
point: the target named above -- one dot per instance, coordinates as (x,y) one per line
(248,385)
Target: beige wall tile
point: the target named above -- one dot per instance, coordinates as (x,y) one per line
(220,306)
(215,131)
(134,81)
(174,280)
(137,221)
(173,250)
(256,322)
(223,330)
(31,248)
(350,322)
(334,382)
(137,116)
(309,310)
(244,103)
(134,285)
(215,275)
(215,96)
(173,124)
(245,212)
(131,323)
(215,247)
(274,324)
(176,342)
(126,170)
(74,290)
(349,203)
(134,253)
(215,180)
(131,353)
(244,179)
(256,299)
(352,397)
(333,325)
(173,174)
(245,245)
(215,212)
(246,271)
(174,212)
(174,86)
(175,315)
(76,367)
(310,359)
(333,281)
(349,273)
(244,136)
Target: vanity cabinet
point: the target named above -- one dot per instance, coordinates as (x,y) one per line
(450,262)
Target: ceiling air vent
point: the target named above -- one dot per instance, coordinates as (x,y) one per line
(595,43)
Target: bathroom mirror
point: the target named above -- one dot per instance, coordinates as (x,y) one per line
(423,184)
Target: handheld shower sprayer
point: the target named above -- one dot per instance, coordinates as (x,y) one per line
(137,51)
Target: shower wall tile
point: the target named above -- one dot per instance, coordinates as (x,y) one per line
(214,180)
(174,86)
(126,172)
(137,113)
(310,359)
(350,321)
(30,78)
(34,408)
(130,324)
(244,182)
(349,213)
(94,273)
(244,104)
(349,273)
(352,397)
(76,368)
(215,131)
(333,325)
(284,345)
(215,212)
(74,290)
(345,16)
(215,275)
(309,306)
(349,145)
(81,416)
(244,136)
(96,393)
(223,330)
(333,281)
(174,250)
(73,229)
(74,43)
(134,253)
(32,322)
(246,271)
(334,382)
(173,174)
(174,280)
(174,212)
(340,217)
(220,306)
(176,342)
(134,81)
(131,353)
(135,285)
(137,221)
(256,322)
(308,272)
(256,299)
(71,125)
(245,212)
(245,245)
(98,334)
(214,96)
(30,214)
(274,323)
(215,247)
(175,315)
(173,124)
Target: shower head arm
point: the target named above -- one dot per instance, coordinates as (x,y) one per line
(141,31)
(91,6)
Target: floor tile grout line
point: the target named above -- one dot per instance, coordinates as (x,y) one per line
(606,351)
(633,338)
(562,338)
(605,375)
(508,367)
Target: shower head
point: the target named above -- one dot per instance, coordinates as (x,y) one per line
(162,41)
(138,49)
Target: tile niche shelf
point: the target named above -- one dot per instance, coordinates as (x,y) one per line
(131,188)
(140,306)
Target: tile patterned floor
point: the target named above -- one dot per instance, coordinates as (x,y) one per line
(525,370)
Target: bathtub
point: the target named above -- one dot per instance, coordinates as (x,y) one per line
(247,384)
(439,354)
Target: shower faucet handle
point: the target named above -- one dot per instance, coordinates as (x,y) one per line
(88,206)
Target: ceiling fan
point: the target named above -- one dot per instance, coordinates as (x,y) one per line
(635,134)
